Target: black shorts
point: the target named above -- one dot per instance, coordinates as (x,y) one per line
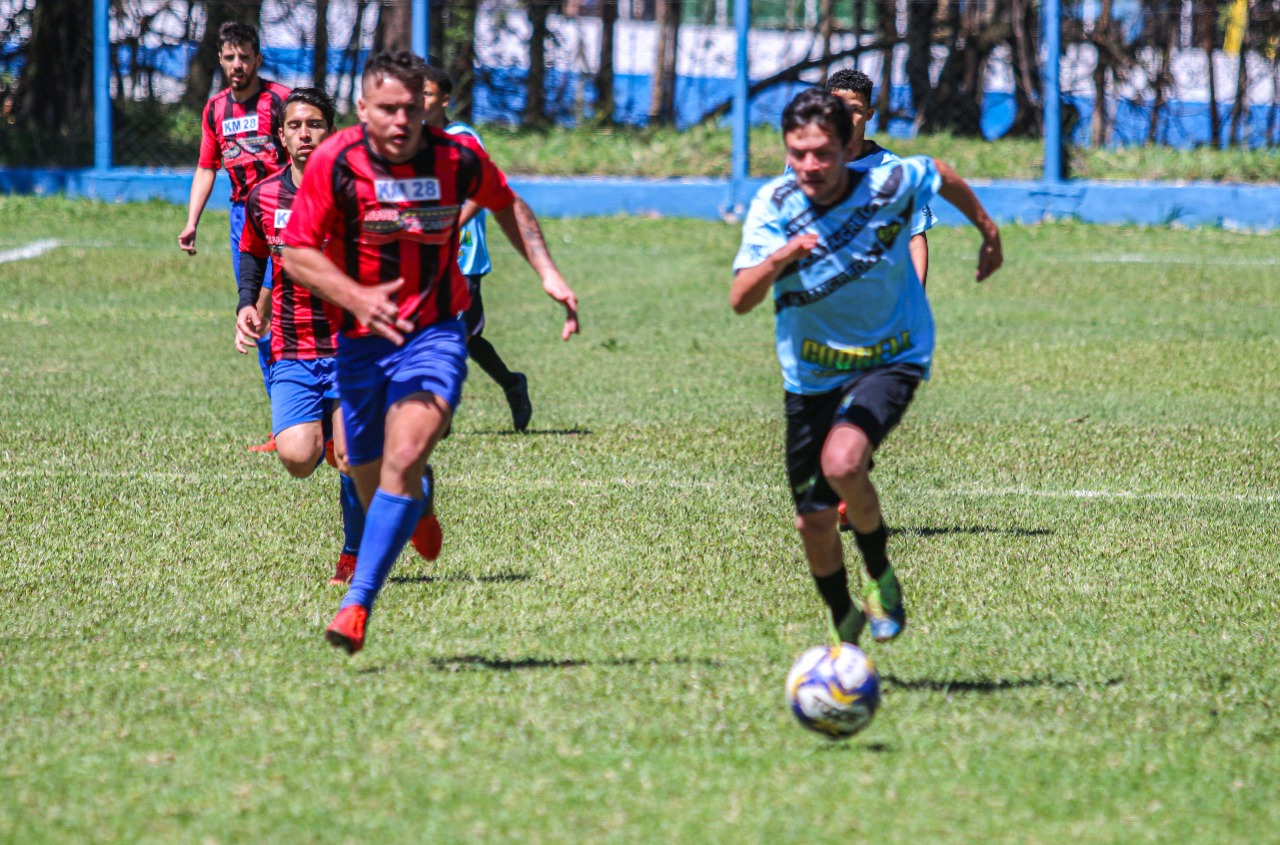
(874,401)
(474,316)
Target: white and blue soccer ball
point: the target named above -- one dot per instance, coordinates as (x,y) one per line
(834,691)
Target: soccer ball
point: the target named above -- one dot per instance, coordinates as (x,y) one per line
(834,691)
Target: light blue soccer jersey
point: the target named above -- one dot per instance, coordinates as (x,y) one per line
(855,302)
(473,251)
(924,218)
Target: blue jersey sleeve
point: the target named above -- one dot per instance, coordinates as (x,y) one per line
(762,233)
(923,221)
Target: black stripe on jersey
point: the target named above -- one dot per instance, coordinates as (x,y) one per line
(344,194)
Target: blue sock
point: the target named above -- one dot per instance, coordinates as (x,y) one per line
(387,527)
(264,361)
(352,515)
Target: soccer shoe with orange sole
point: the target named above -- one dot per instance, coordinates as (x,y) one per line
(845,525)
(427,537)
(345,569)
(269,446)
(346,631)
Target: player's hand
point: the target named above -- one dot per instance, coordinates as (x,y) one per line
(376,309)
(187,240)
(796,249)
(990,257)
(558,289)
(248,329)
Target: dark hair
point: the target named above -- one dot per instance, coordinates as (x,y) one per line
(401,65)
(312,97)
(814,105)
(235,32)
(437,75)
(850,79)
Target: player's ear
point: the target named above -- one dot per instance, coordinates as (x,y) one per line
(360,109)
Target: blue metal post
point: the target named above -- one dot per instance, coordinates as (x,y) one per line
(101,85)
(741,84)
(1052,91)
(420,20)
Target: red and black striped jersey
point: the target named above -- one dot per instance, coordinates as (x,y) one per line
(243,137)
(300,328)
(379,221)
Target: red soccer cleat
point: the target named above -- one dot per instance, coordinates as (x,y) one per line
(269,446)
(844,517)
(427,537)
(346,568)
(346,631)
(330,457)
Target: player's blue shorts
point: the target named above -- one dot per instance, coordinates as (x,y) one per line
(237,229)
(375,374)
(302,392)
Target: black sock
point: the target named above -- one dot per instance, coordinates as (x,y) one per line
(483,353)
(834,589)
(872,547)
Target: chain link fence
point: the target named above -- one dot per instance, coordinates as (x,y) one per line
(1167,72)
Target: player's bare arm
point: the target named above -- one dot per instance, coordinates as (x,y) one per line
(201,188)
(918,246)
(520,225)
(373,306)
(470,209)
(751,284)
(957,192)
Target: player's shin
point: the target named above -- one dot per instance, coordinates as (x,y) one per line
(352,515)
(389,522)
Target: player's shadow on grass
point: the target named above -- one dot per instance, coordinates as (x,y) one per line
(475,662)
(462,578)
(532,432)
(970,529)
(984,687)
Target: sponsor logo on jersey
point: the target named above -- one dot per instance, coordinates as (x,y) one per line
(432,226)
(281,219)
(240,125)
(887,234)
(406,190)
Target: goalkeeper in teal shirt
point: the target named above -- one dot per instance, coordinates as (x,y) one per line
(473,259)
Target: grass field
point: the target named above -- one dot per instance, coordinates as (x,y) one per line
(1085,503)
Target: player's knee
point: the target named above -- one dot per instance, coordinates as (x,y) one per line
(844,469)
(300,450)
(816,524)
(296,465)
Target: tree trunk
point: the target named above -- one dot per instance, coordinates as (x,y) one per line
(458,51)
(1164,79)
(1241,98)
(1028,87)
(347,67)
(55,90)
(395,26)
(1208,17)
(920,15)
(320,56)
(885,22)
(954,104)
(535,106)
(826,25)
(662,103)
(1098,122)
(605,103)
(204,64)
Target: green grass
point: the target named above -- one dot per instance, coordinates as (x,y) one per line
(1085,500)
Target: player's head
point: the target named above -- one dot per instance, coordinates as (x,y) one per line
(390,103)
(436,91)
(239,54)
(854,87)
(818,132)
(306,119)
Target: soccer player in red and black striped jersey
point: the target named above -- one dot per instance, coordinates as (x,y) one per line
(302,339)
(374,230)
(239,131)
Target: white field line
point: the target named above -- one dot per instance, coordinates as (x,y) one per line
(159,476)
(31,250)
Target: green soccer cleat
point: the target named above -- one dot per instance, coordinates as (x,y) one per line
(850,627)
(883,600)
